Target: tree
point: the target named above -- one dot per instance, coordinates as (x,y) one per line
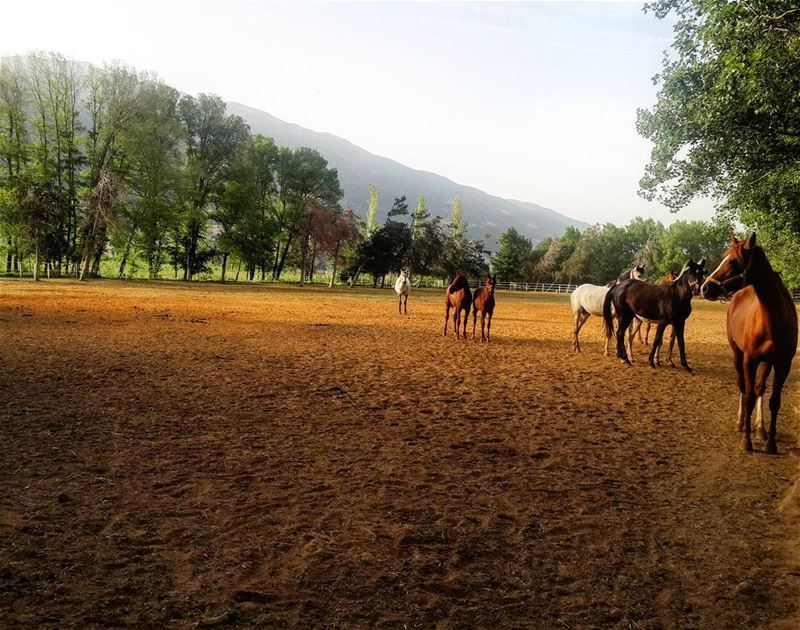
(727,120)
(690,239)
(384,250)
(213,141)
(14,136)
(399,208)
(513,249)
(372,209)
(302,176)
(153,176)
(334,234)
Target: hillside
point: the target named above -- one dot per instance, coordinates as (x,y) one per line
(486,214)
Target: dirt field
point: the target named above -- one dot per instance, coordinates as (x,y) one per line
(232,456)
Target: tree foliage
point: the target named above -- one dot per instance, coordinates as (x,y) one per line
(727,120)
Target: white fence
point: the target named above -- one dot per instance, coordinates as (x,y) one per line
(533,287)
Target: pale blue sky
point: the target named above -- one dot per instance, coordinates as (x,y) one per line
(535,101)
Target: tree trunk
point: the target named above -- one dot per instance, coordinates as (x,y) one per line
(125,255)
(313,262)
(303,260)
(283,257)
(224,266)
(352,281)
(383,281)
(36,261)
(238,269)
(85,267)
(335,262)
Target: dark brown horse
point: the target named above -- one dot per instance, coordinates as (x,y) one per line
(762,331)
(662,303)
(637,325)
(483,301)
(459,297)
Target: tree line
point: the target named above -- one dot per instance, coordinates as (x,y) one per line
(601,252)
(112,162)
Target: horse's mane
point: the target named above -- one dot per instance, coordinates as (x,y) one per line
(459,282)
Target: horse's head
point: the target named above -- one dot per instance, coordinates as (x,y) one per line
(731,274)
(491,281)
(638,273)
(695,274)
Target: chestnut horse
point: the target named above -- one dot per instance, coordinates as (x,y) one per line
(663,303)
(762,331)
(483,301)
(457,296)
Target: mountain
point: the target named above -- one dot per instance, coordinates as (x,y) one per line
(358,168)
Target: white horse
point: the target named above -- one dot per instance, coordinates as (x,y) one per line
(587,300)
(402,287)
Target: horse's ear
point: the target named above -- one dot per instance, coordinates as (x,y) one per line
(691,262)
(751,242)
(734,240)
(702,262)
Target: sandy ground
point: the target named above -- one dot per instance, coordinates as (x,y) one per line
(205,456)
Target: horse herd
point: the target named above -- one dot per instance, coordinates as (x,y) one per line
(761,320)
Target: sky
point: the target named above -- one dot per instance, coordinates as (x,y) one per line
(534,101)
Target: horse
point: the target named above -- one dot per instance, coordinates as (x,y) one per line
(663,303)
(762,331)
(587,300)
(637,325)
(457,296)
(483,301)
(402,287)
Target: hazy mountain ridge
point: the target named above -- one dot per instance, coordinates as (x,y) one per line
(485,213)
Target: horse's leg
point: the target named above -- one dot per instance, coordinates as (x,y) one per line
(639,331)
(672,338)
(466,321)
(446,317)
(738,364)
(474,319)
(678,326)
(657,341)
(658,352)
(580,319)
(774,407)
(647,334)
(483,325)
(489,327)
(623,322)
(762,374)
(750,367)
(405,304)
(457,321)
(636,327)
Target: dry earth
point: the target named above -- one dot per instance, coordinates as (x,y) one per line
(200,455)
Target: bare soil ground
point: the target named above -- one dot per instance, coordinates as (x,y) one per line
(186,456)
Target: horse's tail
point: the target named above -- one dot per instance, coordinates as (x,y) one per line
(608,318)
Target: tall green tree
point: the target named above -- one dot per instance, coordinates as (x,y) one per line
(727,120)
(213,141)
(513,250)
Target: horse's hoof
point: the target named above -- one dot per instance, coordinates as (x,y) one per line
(770,448)
(687,368)
(747,444)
